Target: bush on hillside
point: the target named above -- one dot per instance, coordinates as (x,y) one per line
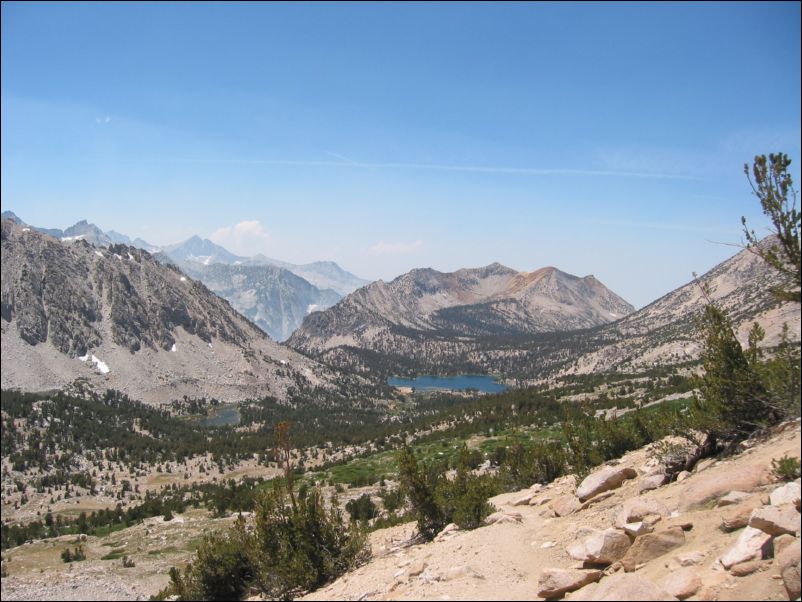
(438,501)
(361,508)
(293,548)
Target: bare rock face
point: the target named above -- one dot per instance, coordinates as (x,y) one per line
(609,477)
(413,315)
(776,520)
(273,298)
(752,544)
(689,559)
(556,582)
(652,545)
(781,542)
(638,528)
(627,586)
(525,499)
(155,334)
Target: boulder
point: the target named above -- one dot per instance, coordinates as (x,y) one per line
(652,545)
(787,494)
(638,528)
(503,517)
(586,593)
(682,583)
(742,569)
(609,477)
(788,562)
(736,518)
(565,505)
(460,572)
(690,558)
(639,509)
(776,520)
(556,582)
(447,530)
(682,476)
(781,542)
(722,481)
(597,498)
(625,587)
(752,544)
(733,497)
(652,481)
(524,499)
(602,547)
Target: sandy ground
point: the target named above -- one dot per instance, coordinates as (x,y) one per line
(504,561)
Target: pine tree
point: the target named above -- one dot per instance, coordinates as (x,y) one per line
(774,187)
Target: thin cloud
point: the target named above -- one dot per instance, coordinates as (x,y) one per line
(103,120)
(395,248)
(652,225)
(487,169)
(244,238)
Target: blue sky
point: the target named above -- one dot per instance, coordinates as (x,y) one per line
(599,138)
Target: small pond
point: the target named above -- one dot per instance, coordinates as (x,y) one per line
(223,415)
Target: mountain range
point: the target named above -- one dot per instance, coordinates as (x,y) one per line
(424,309)
(115,317)
(134,312)
(274,294)
(536,325)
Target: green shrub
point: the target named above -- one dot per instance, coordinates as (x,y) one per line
(437,501)
(786,468)
(302,546)
(418,486)
(76,555)
(392,499)
(540,462)
(221,570)
(293,548)
(470,505)
(362,508)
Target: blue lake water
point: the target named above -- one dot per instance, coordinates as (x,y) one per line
(485,384)
(222,416)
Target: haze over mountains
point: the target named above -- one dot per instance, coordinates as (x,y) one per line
(273,294)
(522,325)
(117,318)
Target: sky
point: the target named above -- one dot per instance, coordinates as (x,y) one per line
(599,138)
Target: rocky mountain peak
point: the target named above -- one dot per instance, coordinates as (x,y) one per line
(493,300)
(158,333)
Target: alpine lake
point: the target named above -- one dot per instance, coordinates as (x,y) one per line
(460,382)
